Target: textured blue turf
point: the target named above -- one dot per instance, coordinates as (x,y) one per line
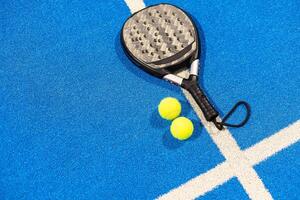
(229,191)
(281,173)
(78,120)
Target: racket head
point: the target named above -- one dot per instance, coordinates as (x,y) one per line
(161,39)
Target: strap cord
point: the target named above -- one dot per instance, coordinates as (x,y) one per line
(220,125)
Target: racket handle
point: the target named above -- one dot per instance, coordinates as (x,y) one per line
(208,110)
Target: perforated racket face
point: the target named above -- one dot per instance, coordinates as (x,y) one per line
(160,36)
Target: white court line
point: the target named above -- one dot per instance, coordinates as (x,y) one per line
(135,5)
(273,144)
(236,161)
(202,184)
(259,152)
(244,171)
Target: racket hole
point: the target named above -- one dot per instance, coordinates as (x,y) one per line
(157,11)
(156,49)
(178,19)
(134,27)
(160,15)
(140,38)
(175,47)
(156,34)
(170,39)
(136,39)
(181,23)
(178,39)
(180,31)
(166,20)
(158,40)
(132,39)
(150,14)
(157,28)
(145,36)
(148,28)
(147,51)
(167,34)
(152,53)
(174,34)
(137,32)
(145,23)
(153,20)
(165,13)
(142,43)
(130,34)
(173,13)
(159,57)
(155,40)
(164,52)
(151,45)
(143,51)
(182,45)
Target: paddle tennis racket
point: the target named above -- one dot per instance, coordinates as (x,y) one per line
(162,40)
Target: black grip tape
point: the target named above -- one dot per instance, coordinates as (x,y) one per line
(208,110)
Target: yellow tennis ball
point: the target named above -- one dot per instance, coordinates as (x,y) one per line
(169,108)
(182,128)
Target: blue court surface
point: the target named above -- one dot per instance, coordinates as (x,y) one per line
(78,120)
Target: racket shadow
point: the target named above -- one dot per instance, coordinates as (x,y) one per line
(170,142)
(139,73)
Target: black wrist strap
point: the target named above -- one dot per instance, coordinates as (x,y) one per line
(223,123)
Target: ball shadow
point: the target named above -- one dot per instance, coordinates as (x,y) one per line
(171,143)
(185,107)
(198,127)
(157,122)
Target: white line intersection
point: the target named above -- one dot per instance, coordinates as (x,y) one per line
(238,163)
